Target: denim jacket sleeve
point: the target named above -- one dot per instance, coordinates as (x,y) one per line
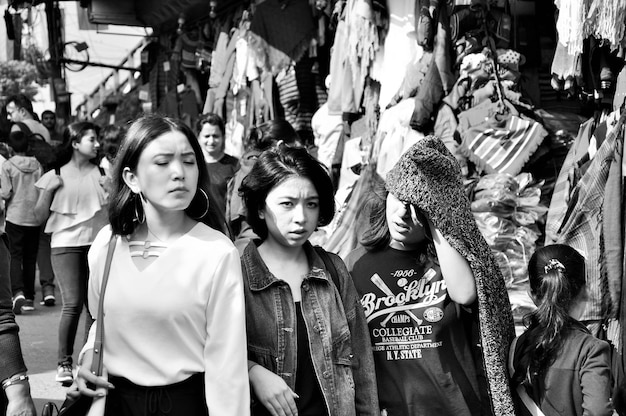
(366,394)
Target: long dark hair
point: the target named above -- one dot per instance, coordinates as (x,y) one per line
(73,133)
(557,275)
(110,139)
(123,202)
(375,232)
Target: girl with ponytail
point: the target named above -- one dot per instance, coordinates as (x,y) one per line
(557,367)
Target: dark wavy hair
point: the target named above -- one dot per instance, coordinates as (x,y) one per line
(266,135)
(110,138)
(374,232)
(73,133)
(273,167)
(22,101)
(122,201)
(18,141)
(553,286)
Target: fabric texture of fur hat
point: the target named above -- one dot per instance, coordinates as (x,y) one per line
(428,176)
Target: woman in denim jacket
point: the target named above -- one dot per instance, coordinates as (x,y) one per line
(308,343)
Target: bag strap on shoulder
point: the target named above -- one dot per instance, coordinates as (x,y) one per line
(57,171)
(328,263)
(24,128)
(96,365)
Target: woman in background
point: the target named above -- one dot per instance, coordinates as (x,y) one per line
(556,362)
(74,201)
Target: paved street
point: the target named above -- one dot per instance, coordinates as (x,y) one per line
(38,335)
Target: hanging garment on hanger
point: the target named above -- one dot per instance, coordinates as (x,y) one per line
(281,32)
(288,93)
(582,225)
(498,142)
(612,227)
(565,182)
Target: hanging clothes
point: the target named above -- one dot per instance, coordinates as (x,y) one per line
(565,181)
(281,32)
(582,224)
(498,142)
(399,50)
(355,48)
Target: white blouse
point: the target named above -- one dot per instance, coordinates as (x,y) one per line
(78,209)
(183,314)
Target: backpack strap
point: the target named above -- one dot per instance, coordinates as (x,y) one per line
(57,170)
(328,263)
(24,128)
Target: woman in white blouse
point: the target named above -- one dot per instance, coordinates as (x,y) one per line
(174,309)
(75,200)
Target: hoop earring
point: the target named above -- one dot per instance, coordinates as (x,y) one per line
(206,197)
(140,216)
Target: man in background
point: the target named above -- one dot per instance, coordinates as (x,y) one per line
(49,121)
(20,113)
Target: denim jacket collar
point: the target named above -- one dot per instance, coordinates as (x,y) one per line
(259,276)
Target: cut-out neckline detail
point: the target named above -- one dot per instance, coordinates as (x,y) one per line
(154,250)
(146,246)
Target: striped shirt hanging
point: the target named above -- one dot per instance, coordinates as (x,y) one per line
(502,146)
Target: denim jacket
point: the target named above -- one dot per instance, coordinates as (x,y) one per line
(336,326)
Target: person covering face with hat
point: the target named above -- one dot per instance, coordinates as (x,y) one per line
(435,301)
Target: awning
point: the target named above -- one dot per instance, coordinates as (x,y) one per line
(162,14)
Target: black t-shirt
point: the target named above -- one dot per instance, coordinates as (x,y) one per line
(311,401)
(421,347)
(220,173)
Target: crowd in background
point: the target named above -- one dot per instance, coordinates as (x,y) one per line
(218,303)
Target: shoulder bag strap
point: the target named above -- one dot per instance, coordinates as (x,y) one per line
(330,266)
(24,128)
(529,403)
(96,365)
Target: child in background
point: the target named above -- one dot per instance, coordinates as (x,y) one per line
(557,367)
(18,178)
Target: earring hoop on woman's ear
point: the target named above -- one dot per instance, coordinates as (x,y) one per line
(206,197)
(140,215)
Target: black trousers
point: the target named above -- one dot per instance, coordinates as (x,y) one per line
(186,398)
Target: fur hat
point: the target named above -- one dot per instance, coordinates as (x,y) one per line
(428,176)
(429,165)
